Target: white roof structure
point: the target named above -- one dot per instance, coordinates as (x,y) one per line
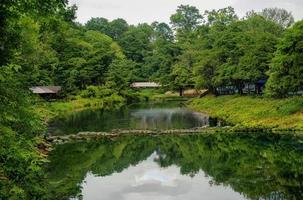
(145,85)
(45,89)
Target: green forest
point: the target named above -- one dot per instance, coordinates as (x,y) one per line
(42,44)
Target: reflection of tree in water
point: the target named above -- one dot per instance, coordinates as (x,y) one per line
(168,118)
(258,166)
(152,118)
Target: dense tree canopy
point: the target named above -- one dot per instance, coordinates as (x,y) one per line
(21,54)
(286,69)
(213,50)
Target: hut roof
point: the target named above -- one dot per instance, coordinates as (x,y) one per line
(45,89)
(145,85)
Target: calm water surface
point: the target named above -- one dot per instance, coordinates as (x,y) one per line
(211,167)
(172,115)
(148,180)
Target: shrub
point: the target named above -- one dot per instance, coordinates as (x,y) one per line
(90,92)
(113,102)
(96,92)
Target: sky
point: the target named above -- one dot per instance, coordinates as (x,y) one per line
(140,11)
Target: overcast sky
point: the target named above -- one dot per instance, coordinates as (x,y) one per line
(139,11)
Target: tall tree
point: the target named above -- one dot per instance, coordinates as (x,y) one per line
(136,42)
(237,53)
(286,72)
(163,30)
(98,24)
(121,73)
(117,28)
(69,13)
(158,64)
(222,16)
(279,16)
(186,18)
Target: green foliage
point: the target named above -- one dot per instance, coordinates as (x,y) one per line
(136,42)
(20,162)
(286,68)
(158,64)
(121,74)
(114,29)
(98,24)
(114,101)
(11,12)
(89,92)
(221,50)
(221,17)
(212,51)
(51,110)
(96,92)
(234,52)
(163,31)
(186,18)
(181,74)
(117,28)
(21,55)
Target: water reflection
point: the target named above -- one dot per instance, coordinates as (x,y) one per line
(143,116)
(221,166)
(159,118)
(148,180)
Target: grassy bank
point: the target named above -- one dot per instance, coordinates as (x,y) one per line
(254,112)
(49,110)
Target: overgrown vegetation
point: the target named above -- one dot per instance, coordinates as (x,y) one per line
(54,109)
(21,175)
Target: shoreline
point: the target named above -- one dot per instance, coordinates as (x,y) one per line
(51,110)
(207,105)
(258,114)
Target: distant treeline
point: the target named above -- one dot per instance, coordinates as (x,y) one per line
(216,50)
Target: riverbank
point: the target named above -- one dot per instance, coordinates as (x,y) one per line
(242,113)
(246,112)
(50,110)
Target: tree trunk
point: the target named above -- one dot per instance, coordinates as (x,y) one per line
(214,91)
(240,88)
(181,92)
